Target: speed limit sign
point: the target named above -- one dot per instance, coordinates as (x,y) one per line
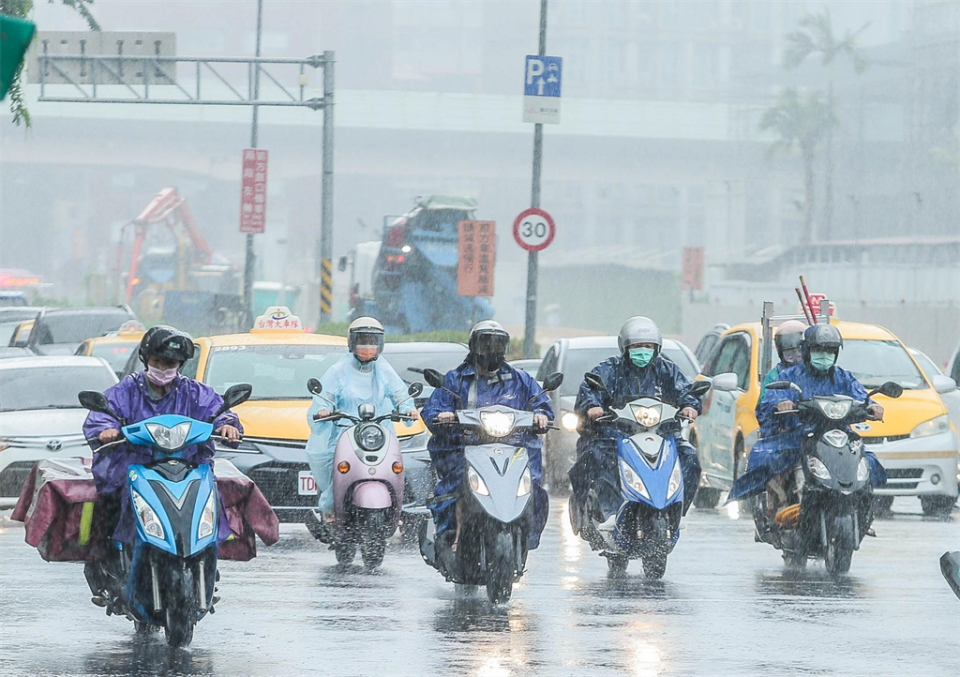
(534,229)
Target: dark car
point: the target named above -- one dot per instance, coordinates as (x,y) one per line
(60,331)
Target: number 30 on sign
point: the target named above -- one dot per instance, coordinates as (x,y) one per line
(534,229)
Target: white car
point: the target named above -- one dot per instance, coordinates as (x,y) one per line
(40,416)
(951,398)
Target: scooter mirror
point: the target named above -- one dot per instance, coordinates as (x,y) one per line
(780,385)
(313,385)
(553,381)
(891,389)
(235,394)
(699,388)
(96,401)
(595,382)
(433,378)
(415,389)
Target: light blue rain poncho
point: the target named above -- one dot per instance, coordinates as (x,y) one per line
(347,385)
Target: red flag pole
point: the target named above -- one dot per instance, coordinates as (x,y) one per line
(803,306)
(806,293)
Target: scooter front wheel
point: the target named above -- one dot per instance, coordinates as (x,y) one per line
(617,565)
(181,608)
(655,566)
(345,553)
(500,567)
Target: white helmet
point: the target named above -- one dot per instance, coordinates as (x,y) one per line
(488,344)
(365,333)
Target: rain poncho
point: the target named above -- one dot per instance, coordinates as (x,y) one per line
(133,400)
(597,446)
(510,388)
(778,449)
(772,375)
(347,385)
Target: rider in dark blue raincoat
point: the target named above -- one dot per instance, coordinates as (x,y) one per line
(482,380)
(778,449)
(639,371)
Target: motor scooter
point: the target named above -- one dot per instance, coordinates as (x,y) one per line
(828,506)
(489,546)
(368,481)
(166,577)
(650,483)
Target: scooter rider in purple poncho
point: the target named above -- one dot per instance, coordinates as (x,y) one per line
(158,389)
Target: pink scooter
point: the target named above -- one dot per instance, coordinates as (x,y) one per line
(367,481)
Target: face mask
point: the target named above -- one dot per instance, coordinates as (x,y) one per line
(161,377)
(641,356)
(822,361)
(367,353)
(792,357)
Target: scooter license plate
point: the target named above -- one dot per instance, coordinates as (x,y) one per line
(306,485)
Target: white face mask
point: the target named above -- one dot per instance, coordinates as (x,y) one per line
(161,377)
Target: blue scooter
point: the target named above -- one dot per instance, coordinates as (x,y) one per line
(647,524)
(167,578)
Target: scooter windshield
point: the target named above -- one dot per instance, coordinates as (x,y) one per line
(168,433)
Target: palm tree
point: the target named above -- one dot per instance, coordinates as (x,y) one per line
(816,37)
(803,122)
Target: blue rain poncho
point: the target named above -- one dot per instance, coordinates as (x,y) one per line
(347,385)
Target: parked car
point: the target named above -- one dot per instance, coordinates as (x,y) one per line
(531,365)
(60,331)
(573,357)
(915,441)
(10,319)
(40,416)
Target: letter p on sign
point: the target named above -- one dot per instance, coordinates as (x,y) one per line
(534,69)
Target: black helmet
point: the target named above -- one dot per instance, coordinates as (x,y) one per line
(167,342)
(488,344)
(821,337)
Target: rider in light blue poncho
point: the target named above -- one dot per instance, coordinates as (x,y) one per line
(357,378)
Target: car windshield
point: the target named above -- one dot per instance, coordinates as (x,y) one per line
(50,387)
(275,372)
(116,354)
(77,327)
(875,362)
(441,360)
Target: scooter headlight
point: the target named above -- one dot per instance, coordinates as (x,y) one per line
(147,517)
(497,423)
(169,438)
(835,409)
(370,437)
(569,421)
(676,480)
(817,467)
(476,483)
(863,471)
(648,416)
(208,518)
(526,484)
(632,480)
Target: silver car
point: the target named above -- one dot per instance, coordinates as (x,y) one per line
(573,357)
(40,417)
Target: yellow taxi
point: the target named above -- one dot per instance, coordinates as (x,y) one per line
(915,442)
(276,357)
(116,347)
(21,335)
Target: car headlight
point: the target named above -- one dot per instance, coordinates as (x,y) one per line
(148,518)
(835,409)
(526,483)
(817,467)
(934,426)
(632,480)
(476,483)
(648,416)
(676,480)
(497,423)
(370,437)
(569,421)
(208,518)
(169,438)
(863,470)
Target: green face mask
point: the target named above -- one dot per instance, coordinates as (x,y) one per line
(641,356)
(822,361)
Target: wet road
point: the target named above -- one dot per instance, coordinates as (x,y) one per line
(725,607)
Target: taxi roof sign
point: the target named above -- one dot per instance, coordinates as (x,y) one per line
(131,327)
(277,318)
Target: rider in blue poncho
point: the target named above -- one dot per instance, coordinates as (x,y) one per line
(778,450)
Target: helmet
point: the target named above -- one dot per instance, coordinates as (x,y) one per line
(789,336)
(639,329)
(167,342)
(488,344)
(821,337)
(364,333)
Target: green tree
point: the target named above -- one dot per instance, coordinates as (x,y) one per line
(804,122)
(21,9)
(815,37)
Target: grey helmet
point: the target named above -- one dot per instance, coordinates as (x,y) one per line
(639,329)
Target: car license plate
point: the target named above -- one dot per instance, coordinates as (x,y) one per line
(306,486)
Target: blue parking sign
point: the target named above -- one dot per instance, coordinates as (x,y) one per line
(542,76)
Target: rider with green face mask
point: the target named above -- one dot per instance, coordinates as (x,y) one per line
(638,371)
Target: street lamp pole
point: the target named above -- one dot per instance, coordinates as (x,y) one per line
(250,259)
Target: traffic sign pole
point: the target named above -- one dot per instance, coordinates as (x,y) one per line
(530,329)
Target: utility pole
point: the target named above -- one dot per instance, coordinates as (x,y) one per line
(250,259)
(530,330)
(326,185)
